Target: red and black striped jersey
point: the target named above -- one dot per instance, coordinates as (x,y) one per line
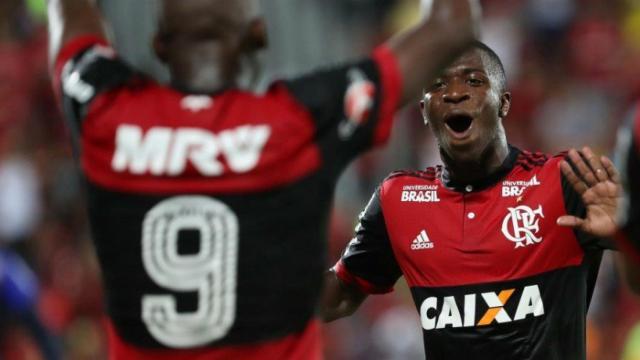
(209,211)
(628,162)
(490,271)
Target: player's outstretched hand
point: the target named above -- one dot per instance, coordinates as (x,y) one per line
(466,13)
(597,181)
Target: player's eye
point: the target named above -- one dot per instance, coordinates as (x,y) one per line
(438,84)
(475,81)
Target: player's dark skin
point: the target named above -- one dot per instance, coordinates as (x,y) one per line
(465,108)
(202,41)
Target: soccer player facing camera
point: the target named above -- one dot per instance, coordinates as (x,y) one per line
(499,246)
(209,204)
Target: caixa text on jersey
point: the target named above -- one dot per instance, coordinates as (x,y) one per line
(442,312)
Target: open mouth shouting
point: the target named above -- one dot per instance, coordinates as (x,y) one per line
(459,125)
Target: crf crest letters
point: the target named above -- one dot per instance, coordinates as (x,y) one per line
(521,225)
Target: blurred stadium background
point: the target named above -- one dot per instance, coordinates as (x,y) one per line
(573,67)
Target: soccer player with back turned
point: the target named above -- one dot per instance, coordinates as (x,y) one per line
(208,204)
(499,246)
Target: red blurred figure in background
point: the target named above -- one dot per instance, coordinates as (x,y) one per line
(209,204)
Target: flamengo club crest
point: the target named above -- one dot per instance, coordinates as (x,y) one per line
(358,102)
(521,225)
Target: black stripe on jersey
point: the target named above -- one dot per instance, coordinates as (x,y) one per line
(371,244)
(632,178)
(323,94)
(97,73)
(521,328)
(280,264)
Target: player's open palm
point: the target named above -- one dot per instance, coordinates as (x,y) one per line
(465,12)
(598,183)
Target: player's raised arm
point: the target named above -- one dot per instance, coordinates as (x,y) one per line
(69,19)
(447,28)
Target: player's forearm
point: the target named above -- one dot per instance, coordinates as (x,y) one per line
(70,18)
(339,300)
(422,51)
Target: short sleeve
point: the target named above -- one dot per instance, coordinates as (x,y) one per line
(575,206)
(368,262)
(85,68)
(352,106)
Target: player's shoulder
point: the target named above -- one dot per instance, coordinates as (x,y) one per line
(537,166)
(536,160)
(402,177)
(277,95)
(131,95)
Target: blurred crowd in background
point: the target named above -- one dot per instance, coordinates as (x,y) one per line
(573,68)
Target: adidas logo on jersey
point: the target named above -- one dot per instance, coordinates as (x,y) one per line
(422,242)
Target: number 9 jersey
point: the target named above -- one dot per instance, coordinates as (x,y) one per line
(209,211)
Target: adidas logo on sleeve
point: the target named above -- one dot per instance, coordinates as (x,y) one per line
(422,242)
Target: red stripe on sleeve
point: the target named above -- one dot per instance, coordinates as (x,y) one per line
(363,285)
(391,90)
(71,49)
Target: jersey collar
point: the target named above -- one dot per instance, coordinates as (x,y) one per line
(504,169)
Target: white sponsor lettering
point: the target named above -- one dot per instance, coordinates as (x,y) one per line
(530,303)
(420,187)
(433,316)
(167,151)
(514,188)
(420,196)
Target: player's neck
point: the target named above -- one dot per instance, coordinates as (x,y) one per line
(202,88)
(197,79)
(473,171)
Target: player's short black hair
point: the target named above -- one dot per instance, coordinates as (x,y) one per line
(492,61)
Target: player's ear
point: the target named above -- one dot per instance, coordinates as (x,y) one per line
(423,111)
(423,106)
(256,36)
(505,104)
(160,48)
